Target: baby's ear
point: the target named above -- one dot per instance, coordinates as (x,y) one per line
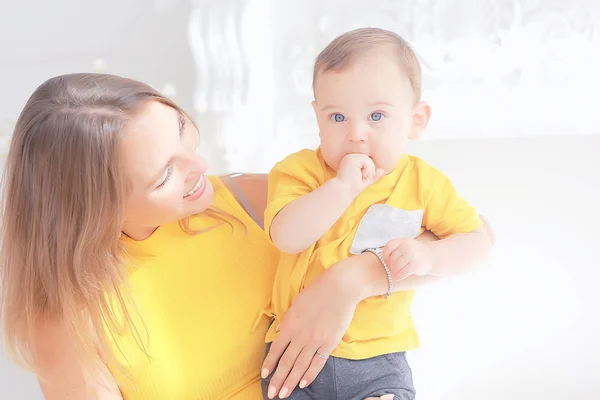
(421,115)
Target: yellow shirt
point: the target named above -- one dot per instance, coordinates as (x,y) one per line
(379,326)
(199,298)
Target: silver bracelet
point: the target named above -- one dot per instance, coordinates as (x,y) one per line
(377,252)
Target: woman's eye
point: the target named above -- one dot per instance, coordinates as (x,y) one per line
(167,178)
(182,125)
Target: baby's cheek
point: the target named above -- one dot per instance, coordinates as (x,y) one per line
(332,158)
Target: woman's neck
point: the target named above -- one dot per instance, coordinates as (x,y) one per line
(138,233)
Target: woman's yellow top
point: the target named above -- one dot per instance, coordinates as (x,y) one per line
(199,297)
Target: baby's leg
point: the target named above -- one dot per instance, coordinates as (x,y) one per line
(374,377)
(377,377)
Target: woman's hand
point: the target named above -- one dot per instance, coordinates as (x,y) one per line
(321,314)
(318,319)
(312,328)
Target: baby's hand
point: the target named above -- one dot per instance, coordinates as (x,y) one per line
(407,257)
(358,171)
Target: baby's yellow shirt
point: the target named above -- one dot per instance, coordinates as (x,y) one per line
(199,298)
(379,326)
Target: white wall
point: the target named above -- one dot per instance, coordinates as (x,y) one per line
(511,128)
(525,327)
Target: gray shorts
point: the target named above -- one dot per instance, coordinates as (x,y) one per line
(343,379)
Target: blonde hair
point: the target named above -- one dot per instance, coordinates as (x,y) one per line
(64,195)
(354,45)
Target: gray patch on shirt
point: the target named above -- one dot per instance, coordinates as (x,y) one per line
(382,223)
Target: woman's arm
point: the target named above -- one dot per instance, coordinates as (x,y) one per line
(322,312)
(61,375)
(370,271)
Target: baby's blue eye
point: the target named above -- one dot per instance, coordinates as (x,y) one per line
(376,116)
(337,117)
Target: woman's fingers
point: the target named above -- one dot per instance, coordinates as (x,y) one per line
(278,346)
(318,362)
(286,363)
(302,363)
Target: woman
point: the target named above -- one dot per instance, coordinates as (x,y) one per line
(127,273)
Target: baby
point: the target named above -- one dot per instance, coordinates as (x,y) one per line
(360,192)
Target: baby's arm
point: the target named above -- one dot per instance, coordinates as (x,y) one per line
(303,221)
(375,279)
(452,255)
(464,243)
(460,252)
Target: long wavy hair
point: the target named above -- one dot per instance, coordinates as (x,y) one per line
(64,195)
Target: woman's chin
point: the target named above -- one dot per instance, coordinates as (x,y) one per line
(202,203)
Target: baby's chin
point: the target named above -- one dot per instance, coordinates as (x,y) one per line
(386,165)
(332,164)
(391,166)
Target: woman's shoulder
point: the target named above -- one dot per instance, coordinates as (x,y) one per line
(249,190)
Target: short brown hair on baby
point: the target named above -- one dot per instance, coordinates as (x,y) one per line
(354,45)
